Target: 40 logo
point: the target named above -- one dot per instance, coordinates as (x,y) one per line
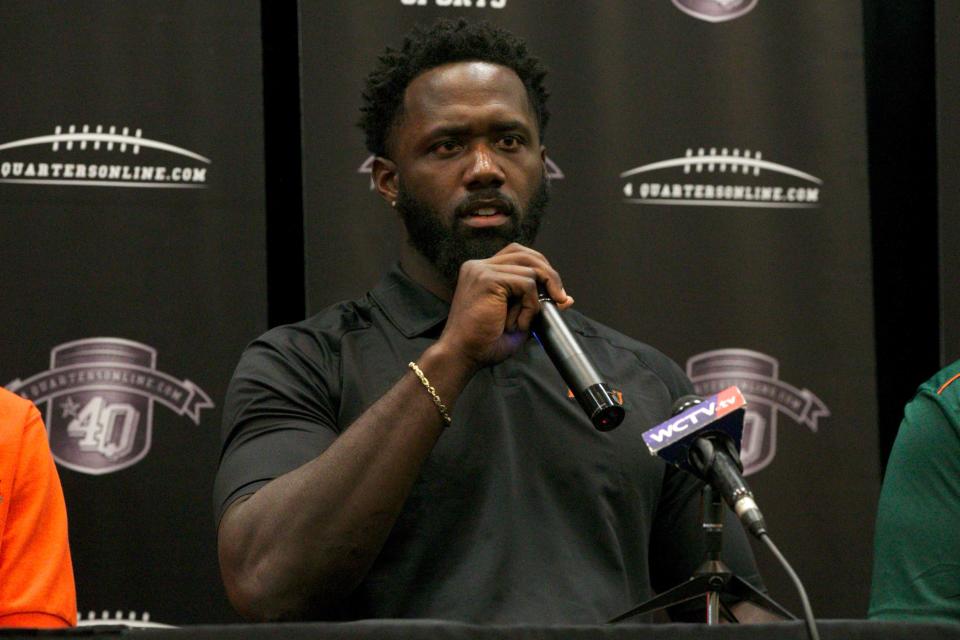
(100,394)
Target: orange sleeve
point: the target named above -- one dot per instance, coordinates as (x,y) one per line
(36,573)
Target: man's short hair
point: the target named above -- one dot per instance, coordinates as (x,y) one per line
(443,42)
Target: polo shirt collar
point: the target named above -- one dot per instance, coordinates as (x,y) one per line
(410,307)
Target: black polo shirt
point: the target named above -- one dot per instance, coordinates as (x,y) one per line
(523,512)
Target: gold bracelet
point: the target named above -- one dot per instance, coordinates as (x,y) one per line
(433,393)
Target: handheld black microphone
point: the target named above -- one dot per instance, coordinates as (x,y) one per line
(563,349)
(703,437)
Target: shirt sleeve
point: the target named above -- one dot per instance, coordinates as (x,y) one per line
(916,570)
(280,412)
(36,572)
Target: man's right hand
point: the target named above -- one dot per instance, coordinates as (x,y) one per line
(495,303)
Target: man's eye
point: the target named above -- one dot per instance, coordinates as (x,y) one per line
(510,142)
(447,146)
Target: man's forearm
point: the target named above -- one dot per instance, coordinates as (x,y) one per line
(306,539)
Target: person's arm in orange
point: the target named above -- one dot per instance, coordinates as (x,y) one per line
(36,573)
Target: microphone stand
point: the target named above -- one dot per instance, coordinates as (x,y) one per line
(712,578)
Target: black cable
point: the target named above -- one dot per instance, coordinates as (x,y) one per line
(807,611)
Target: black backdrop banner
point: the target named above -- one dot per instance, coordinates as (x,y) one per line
(131,177)
(709,197)
(948,155)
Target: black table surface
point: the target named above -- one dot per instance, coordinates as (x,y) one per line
(443,630)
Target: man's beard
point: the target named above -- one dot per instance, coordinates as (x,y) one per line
(448,244)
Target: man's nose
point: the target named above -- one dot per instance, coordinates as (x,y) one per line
(483,170)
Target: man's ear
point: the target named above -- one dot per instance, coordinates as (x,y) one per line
(386,180)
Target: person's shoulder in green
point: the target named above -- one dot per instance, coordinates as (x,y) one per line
(916,571)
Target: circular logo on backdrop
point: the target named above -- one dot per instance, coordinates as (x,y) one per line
(715,10)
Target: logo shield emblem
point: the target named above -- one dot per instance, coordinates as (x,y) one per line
(758,376)
(102,428)
(100,395)
(715,10)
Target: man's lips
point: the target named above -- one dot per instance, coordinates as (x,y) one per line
(485,213)
(484,220)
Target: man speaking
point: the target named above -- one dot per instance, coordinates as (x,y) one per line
(413,453)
